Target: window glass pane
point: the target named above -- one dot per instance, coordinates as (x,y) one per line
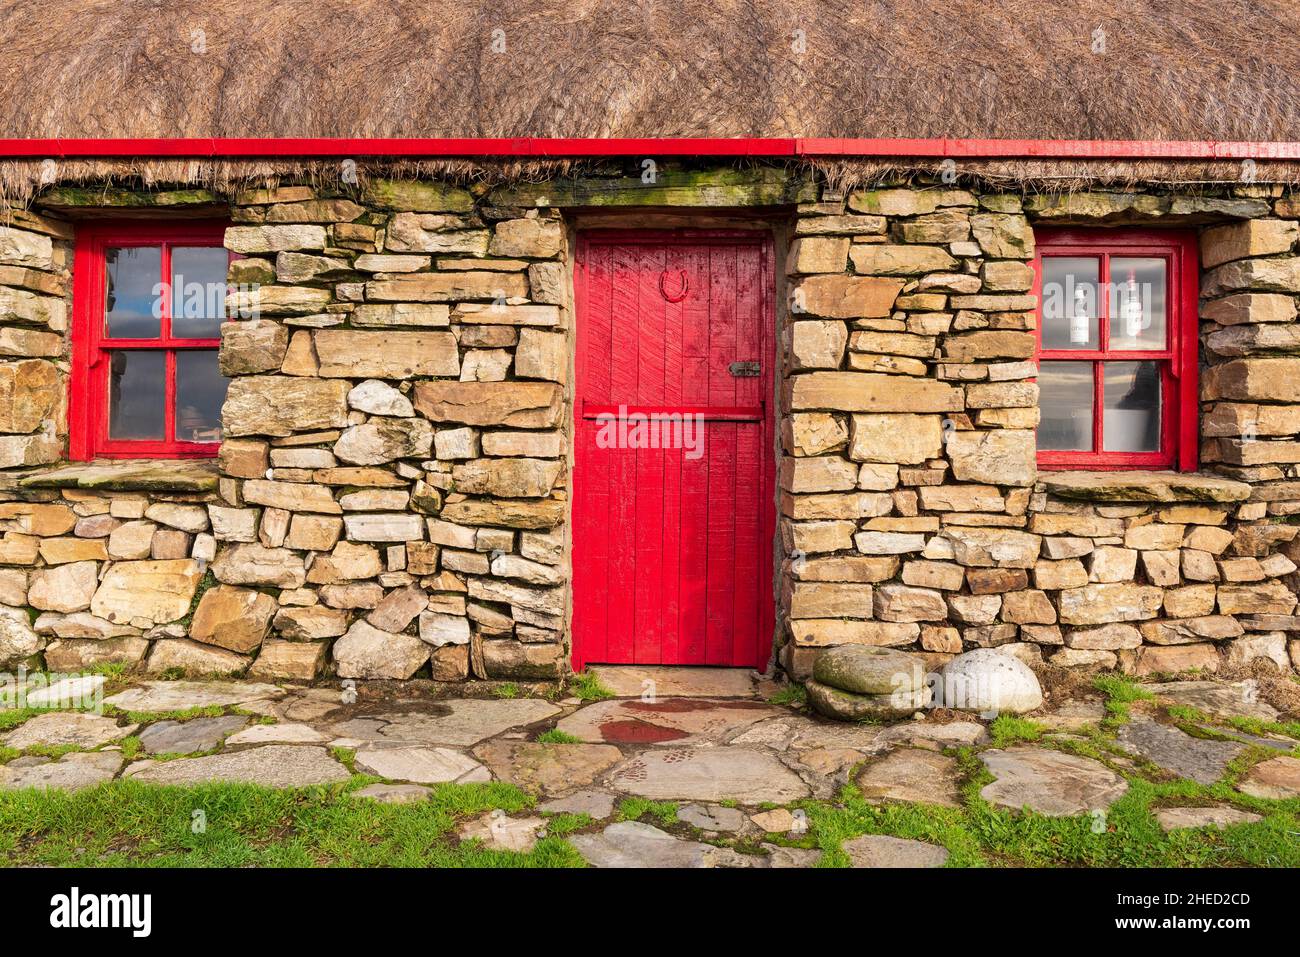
(1065,403)
(200,391)
(198,291)
(1137,304)
(133,276)
(136,394)
(1070,289)
(1131,422)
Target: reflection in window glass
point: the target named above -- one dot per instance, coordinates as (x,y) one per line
(198,291)
(136,394)
(1137,304)
(200,392)
(1065,401)
(1131,421)
(1069,297)
(132,274)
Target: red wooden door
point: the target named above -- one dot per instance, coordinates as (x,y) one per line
(672,552)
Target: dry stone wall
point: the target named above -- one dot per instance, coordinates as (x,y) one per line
(913,514)
(391,496)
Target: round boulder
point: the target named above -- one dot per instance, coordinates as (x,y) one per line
(847,706)
(864,669)
(988,680)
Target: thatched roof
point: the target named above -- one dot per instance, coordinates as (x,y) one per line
(1049,69)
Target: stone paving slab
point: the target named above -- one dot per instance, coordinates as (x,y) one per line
(882,850)
(633,681)
(66,693)
(664,721)
(1050,782)
(275,765)
(1277,778)
(54,729)
(911,774)
(161,696)
(597,805)
(72,772)
(1225,700)
(712,817)
(633,844)
(458,722)
(186,737)
(498,831)
(421,765)
(709,774)
(547,768)
(1199,759)
(289,733)
(393,793)
(1178,818)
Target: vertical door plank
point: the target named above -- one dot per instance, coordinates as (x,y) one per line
(649,532)
(693,570)
(620,585)
(722,456)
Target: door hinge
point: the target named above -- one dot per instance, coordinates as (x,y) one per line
(744,370)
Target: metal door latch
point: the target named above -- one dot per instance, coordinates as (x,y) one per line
(744,370)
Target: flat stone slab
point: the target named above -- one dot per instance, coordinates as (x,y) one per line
(634,681)
(787,857)
(183,695)
(393,793)
(633,844)
(275,765)
(55,729)
(83,689)
(1199,759)
(547,768)
(289,733)
(665,721)
(1072,716)
(1237,699)
(1178,818)
(709,774)
(801,733)
(459,722)
(421,765)
(782,821)
(1050,782)
(951,735)
(911,774)
(713,817)
(597,805)
(186,737)
(500,832)
(81,769)
(1144,487)
(881,850)
(1277,778)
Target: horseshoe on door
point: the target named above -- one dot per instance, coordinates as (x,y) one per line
(685,286)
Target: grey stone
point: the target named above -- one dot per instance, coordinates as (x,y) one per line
(713,817)
(633,844)
(455,721)
(393,793)
(1050,782)
(275,765)
(846,706)
(289,733)
(55,729)
(1177,818)
(595,804)
(1238,699)
(709,774)
(1200,759)
(186,737)
(912,774)
(785,857)
(865,669)
(69,691)
(183,695)
(498,831)
(881,850)
(69,773)
(629,681)
(421,765)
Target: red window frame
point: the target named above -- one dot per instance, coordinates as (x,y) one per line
(1178,361)
(88,402)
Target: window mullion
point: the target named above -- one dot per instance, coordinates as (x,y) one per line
(1098,406)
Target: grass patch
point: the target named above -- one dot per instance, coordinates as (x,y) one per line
(1120,693)
(794,695)
(148,717)
(1007,729)
(587,687)
(633,809)
(556,736)
(236,825)
(507,689)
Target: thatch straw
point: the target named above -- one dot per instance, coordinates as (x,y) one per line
(1171,69)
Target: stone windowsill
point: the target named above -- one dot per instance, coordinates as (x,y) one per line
(126,475)
(1142,487)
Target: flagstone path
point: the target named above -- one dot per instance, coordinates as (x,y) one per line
(705,739)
